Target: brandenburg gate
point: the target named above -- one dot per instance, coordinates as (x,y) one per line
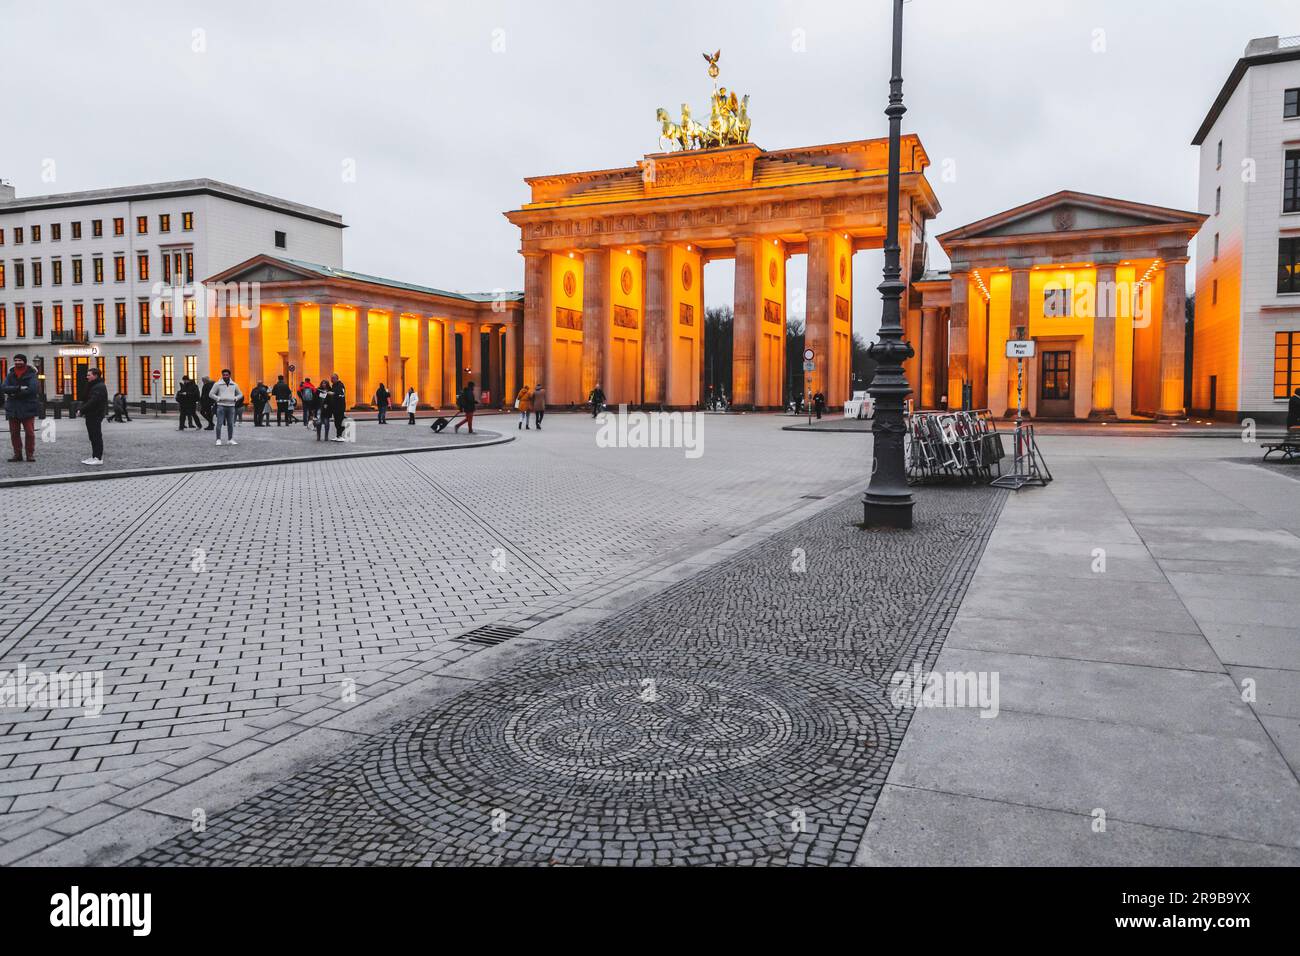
(614,259)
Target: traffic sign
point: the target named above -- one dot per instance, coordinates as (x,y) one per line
(809,365)
(1020,348)
(808,355)
(157,375)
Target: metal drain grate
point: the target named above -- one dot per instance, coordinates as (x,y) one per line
(490,635)
(812,497)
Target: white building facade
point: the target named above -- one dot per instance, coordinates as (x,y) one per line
(1246,353)
(111,277)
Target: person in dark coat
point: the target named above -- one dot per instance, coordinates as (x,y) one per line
(261,397)
(309,400)
(120,414)
(381,403)
(597,400)
(187,397)
(206,405)
(324,398)
(467,402)
(283,395)
(819,404)
(93,410)
(22,396)
(338,404)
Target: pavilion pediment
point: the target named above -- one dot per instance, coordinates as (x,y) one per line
(1068,212)
(1068,217)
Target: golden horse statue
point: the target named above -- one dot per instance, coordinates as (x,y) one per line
(728,119)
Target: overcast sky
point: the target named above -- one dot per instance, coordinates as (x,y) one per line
(444,108)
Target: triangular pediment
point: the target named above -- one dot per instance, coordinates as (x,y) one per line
(1067,212)
(265,268)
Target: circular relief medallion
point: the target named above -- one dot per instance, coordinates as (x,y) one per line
(688,277)
(844,268)
(771,272)
(570,283)
(1063,219)
(625,280)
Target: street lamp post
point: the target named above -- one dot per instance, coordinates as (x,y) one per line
(888,502)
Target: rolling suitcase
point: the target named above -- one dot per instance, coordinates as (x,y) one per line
(441,422)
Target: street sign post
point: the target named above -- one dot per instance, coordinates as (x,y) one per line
(808,365)
(157,399)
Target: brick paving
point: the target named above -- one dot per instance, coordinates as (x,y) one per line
(225,610)
(741,716)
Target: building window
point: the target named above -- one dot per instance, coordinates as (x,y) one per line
(56,231)
(166,319)
(97,228)
(76,272)
(99,318)
(119,226)
(36,233)
(190,312)
(19,275)
(1218,199)
(79,320)
(18,235)
(192,367)
(38,321)
(119,314)
(122,370)
(97,266)
(167,267)
(164,222)
(36,272)
(2,275)
(1288,265)
(1291,182)
(20,322)
(1056,377)
(100,364)
(146,378)
(1216,247)
(58,375)
(279,239)
(119,268)
(144,316)
(4,322)
(169,375)
(1214,292)
(1218,162)
(1286,363)
(189,267)
(58,318)
(57,266)
(187,221)
(1291,103)
(142,225)
(76,229)
(142,266)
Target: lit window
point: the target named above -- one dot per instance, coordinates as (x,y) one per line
(76,272)
(20,320)
(97,228)
(119,314)
(1288,265)
(119,268)
(142,266)
(119,226)
(20,277)
(141,225)
(56,231)
(79,320)
(58,318)
(192,367)
(36,273)
(36,233)
(18,235)
(164,222)
(187,221)
(190,312)
(99,318)
(146,378)
(76,230)
(38,321)
(98,268)
(144,316)
(122,369)
(4,321)
(1286,364)
(169,375)
(58,375)
(2,275)
(167,317)
(57,266)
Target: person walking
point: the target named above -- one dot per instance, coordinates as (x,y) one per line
(597,399)
(227,397)
(261,397)
(22,396)
(1293,412)
(539,405)
(120,414)
(183,418)
(381,403)
(411,403)
(339,405)
(322,414)
(190,410)
(283,396)
(524,402)
(819,404)
(93,410)
(307,398)
(206,405)
(466,402)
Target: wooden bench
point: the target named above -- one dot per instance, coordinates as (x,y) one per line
(1288,448)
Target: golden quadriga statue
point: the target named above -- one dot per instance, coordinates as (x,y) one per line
(728,119)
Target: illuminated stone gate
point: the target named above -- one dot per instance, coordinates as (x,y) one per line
(614,265)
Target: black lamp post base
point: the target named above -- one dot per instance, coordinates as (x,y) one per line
(887,512)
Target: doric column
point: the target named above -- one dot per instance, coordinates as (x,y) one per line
(448,397)
(226,323)
(745,327)
(472,353)
(1173,331)
(326,338)
(658,322)
(511,362)
(255,368)
(929,354)
(361,385)
(1019,300)
(423,379)
(295,343)
(1103,343)
(819,312)
(595,318)
(958,338)
(395,351)
(537,316)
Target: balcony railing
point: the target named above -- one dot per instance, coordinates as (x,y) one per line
(69,337)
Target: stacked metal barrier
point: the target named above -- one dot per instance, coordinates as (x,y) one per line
(953,446)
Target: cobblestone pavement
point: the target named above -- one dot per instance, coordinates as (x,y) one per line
(226,609)
(741,716)
(147,442)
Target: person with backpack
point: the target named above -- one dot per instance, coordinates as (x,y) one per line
(307,398)
(381,403)
(283,395)
(597,399)
(411,403)
(524,402)
(466,402)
